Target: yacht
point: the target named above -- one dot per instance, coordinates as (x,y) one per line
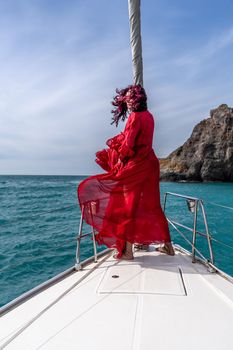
(156,301)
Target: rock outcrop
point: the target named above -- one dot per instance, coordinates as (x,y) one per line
(207,155)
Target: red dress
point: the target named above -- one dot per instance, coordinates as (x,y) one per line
(124,203)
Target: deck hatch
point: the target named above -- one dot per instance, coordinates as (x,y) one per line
(146,279)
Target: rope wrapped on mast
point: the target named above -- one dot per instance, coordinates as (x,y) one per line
(135,40)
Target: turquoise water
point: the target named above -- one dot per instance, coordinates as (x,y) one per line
(39,218)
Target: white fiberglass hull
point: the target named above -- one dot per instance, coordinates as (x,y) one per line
(155,301)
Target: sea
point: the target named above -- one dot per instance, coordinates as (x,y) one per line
(39,220)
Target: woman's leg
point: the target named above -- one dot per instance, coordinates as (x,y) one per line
(131,199)
(127,252)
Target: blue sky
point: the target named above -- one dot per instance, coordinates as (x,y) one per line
(62,60)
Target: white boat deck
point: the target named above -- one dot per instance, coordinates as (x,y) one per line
(155,301)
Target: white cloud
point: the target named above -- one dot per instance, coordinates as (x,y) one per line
(58,76)
(194,59)
(56,106)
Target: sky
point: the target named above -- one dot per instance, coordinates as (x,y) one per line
(61,61)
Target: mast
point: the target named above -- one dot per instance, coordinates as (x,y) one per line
(135,40)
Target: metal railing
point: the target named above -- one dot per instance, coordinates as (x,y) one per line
(81,235)
(194,204)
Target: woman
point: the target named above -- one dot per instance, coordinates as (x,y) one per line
(123,205)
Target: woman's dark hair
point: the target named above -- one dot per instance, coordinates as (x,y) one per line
(138,98)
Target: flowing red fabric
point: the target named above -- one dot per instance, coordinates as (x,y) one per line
(123,204)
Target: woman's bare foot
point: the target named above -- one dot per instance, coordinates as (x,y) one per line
(167,249)
(141,246)
(127,256)
(124,256)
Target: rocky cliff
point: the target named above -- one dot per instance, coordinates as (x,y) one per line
(207,155)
